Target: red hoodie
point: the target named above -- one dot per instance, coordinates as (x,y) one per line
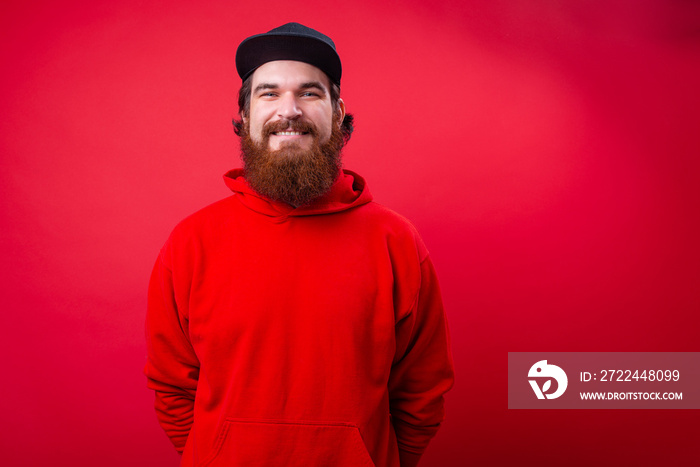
(307,337)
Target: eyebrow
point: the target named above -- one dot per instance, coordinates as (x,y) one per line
(307,85)
(313,84)
(263,86)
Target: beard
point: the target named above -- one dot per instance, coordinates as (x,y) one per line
(291,174)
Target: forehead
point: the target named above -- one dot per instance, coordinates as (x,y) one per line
(288,73)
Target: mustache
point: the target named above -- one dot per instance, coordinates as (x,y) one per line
(289,125)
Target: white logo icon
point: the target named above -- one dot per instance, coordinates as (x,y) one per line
(542,370)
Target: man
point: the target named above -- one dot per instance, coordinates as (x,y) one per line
(296,323)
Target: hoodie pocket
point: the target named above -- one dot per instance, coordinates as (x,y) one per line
(246,442)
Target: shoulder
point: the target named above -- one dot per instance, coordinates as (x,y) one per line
(398,229)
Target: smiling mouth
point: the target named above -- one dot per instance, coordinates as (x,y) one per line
(290,133)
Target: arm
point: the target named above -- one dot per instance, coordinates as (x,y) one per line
(172,367)
(422,371)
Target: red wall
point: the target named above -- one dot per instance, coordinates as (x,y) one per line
(547,151)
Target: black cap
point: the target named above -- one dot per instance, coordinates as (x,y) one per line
(292,41)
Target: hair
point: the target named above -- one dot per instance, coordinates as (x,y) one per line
(245,92)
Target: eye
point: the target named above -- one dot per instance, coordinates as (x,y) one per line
(309,94)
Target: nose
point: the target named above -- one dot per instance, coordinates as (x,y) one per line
(288,108)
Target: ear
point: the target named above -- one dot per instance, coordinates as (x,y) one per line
(341,111)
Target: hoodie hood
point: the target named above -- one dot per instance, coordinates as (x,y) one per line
(348,191)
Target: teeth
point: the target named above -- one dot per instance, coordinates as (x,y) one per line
(289,133)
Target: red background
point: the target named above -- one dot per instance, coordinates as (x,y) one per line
(547,151)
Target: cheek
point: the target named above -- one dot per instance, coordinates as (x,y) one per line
(259,115)
(256,130)
(325,126)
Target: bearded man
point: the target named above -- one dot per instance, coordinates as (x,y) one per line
(297,322)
